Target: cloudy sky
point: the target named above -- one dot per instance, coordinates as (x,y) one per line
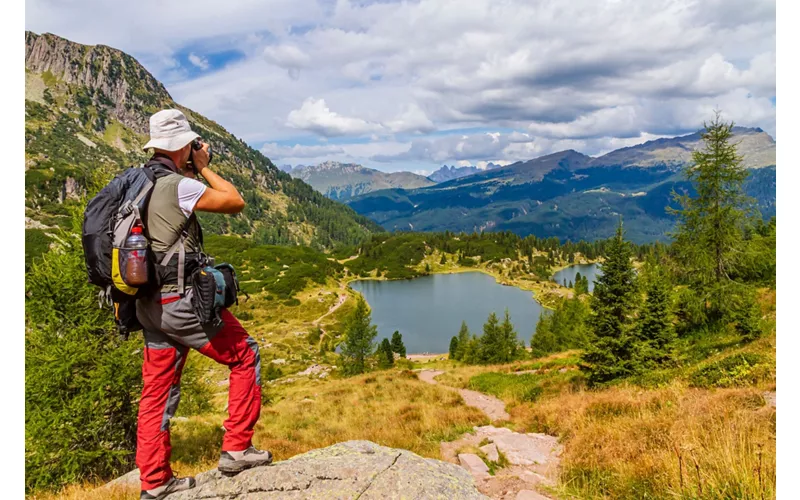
(417,84)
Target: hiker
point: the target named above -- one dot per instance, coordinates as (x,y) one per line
(170,324)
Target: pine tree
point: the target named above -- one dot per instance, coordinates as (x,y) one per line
(385,355)
(509,344)
(463,340)
(613,351)
(544,340)
(655,330)
(443,261)
(453,347)
(397,344)
(748,316)
(359,336)
(489,342)
(708,239)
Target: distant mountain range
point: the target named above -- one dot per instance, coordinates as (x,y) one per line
(342,181)
(446,173)
(571,195)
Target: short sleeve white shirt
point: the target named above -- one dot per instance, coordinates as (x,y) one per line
(189,193)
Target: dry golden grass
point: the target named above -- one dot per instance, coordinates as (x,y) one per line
(626,442)
(391,408)
(89,491)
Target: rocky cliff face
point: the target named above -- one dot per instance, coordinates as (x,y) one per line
(117,80)
(351,470)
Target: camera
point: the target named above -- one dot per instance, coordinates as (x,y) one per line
(196,145)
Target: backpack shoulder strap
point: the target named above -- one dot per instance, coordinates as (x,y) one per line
(179,247)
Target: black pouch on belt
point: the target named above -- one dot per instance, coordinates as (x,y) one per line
(231,284)
(209,289)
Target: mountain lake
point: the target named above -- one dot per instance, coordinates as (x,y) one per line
(592,271)
(428,310)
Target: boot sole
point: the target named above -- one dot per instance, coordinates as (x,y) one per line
(237,467)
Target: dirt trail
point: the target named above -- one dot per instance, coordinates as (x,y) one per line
(342,298)
(533,458)
(490,405)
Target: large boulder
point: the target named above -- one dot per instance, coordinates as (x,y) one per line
(349,470)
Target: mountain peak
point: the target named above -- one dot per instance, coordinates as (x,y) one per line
(113,78)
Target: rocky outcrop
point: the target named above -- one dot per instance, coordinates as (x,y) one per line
(118,82)
(349,470)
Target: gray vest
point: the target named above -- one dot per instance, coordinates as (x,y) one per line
(165,218)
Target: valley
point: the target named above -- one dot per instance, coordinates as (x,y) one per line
(653,378)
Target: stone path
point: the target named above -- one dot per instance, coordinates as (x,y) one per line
(494,408)
(533,458)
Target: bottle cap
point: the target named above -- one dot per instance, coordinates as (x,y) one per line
(136,230)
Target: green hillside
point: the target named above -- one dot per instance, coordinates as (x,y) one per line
(86,116)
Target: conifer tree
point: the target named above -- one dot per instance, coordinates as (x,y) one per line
(453,347)
(359,336)
(490,340)
(613,351)
(385,355)
(708,239)
(463,340)
(509,344)
(397,344)
(748,316)
(443,261)
(655,330)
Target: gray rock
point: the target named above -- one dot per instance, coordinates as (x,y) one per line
(491,452)
(530,495)
(349,470)
(473,464)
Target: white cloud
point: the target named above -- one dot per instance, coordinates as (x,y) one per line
(315,116)
(583,73)
(199,61)
(412,120)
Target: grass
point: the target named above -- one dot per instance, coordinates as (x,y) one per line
(671,442)
(698,429)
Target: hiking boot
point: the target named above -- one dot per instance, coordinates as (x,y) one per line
(233,462)
(173,485)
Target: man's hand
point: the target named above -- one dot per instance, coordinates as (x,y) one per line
(200,158)
(222,196)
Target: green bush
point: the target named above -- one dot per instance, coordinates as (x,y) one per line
(82,384)
(736,370)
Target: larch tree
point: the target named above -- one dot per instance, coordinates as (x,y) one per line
(708,239)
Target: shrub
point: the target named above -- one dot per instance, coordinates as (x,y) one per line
(736,370)
(82,384)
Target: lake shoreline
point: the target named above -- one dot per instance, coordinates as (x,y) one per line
(424,309)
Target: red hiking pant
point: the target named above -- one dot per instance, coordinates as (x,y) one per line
(164,356)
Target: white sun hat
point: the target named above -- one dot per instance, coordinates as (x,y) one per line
(170,131)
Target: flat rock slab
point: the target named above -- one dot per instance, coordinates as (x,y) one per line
(349,470)
(522,449)
(474,465)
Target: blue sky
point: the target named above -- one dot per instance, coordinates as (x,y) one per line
(414,85)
